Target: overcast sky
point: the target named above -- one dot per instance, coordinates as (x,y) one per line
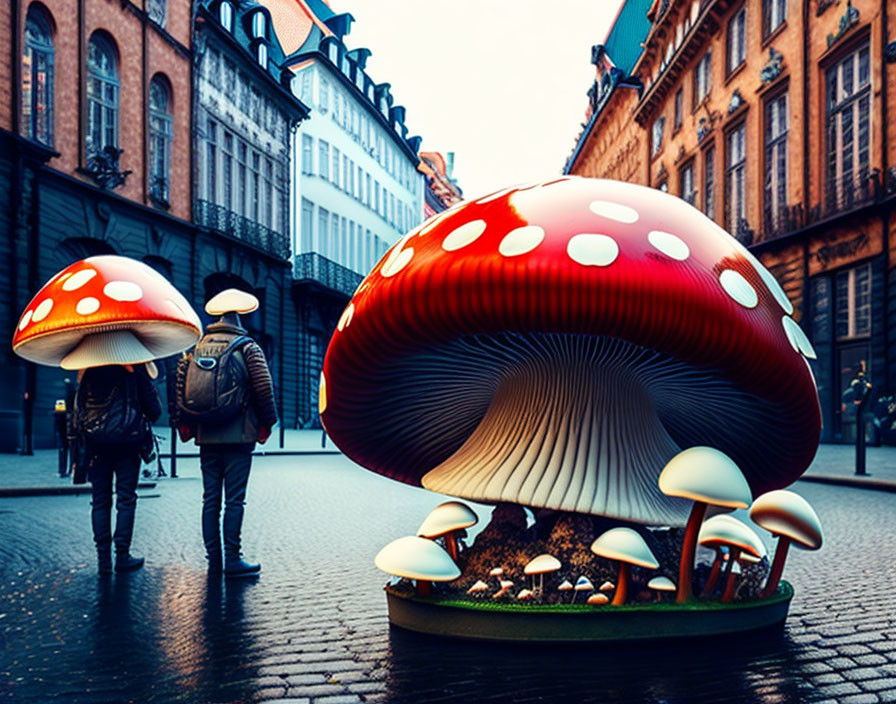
(501,83)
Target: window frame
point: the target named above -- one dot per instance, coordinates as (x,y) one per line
(688,168)
(851,275)
(735,172)
(775,158)
(161,138)
(107,108)
(737,22)
(702,74)
(769,9)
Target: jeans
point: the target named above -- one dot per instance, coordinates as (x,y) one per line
(227,467)
(124,463)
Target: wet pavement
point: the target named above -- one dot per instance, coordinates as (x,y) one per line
(313,628)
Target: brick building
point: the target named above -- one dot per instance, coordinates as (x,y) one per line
(777,118)
(96,157)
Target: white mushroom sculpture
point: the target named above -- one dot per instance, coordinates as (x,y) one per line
(418,559)
(627,547)
(583,584)
(661,584)
(790,517)
(105,310)
(739,538)
(446,521)
(706,476)
(540,566)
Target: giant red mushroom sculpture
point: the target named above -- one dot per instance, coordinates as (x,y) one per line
(105,310)
(556,345)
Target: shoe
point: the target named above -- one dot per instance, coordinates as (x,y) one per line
(125,562)
(104,561)
(238,567)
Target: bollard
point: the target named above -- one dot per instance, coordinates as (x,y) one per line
(60,421)
(860,431)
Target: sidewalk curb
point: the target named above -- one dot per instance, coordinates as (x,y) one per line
(258,453)
(855,482)
(61,490)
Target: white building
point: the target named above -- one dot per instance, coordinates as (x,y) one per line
(354,187)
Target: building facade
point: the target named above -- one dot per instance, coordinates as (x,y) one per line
(355,185)
(96,157)
(776,119)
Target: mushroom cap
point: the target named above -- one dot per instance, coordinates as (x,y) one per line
(607,586)
(727,530)
(542,564)
(525,594)
(231,300)
(105,310)
(625,545)
(662,584)
(445,518)
(598,599)
(583,584)
(706,474)
(416,365)
(786,513)
(496,571)
(506,583)
(417,558)
(565,586)
(478,586)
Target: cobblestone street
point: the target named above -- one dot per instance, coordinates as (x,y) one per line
(314,626)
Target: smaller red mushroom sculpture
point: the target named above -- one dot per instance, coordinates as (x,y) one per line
(105,310)
(627,547)
(790,517)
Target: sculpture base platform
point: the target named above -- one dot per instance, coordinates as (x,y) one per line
(573,622)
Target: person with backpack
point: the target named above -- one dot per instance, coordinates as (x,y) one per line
(115,406)
(225,399)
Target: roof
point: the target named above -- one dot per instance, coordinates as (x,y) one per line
(294,20)
(623,42)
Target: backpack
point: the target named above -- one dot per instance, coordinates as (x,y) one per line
(111,415)
(215,384)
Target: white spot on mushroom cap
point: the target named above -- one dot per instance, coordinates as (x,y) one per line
(399,260)
(463,235)
(125,291)
(42,310)
(23,323)
(87,306)
(772,283)
(592,249)
(614,211)
(522,240)
(670,245)
(797,337)
(78,279)
(346,317)
(738,288)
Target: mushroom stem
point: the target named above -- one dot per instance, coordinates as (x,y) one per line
(774,577)
(731,583)
(713,575)
(625,571)
(424,587)
(688,550)
(451,545)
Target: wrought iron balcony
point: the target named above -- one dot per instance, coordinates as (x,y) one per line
(256,235)
(848,192)
(316,268)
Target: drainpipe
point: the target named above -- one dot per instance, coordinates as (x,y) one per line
(885,163)
(145,86)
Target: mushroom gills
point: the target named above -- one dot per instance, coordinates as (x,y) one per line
(571,426)
(110,347)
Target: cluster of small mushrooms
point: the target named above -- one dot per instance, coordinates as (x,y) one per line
(703,475)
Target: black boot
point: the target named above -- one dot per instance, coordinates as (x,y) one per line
(215,563)
(125,562)
(235,567)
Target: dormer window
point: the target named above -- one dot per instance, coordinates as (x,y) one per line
(359,80)
(225,15)
(346,66)
(384,107)
(259,25)
(262,54)
(333,52)
(370,92)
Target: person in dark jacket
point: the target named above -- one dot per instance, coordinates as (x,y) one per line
(225,448)
(118,460)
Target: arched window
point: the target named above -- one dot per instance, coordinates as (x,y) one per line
(258,25)
(225,14)
(159,139)
(262,54)
(37,77)
(102,95)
